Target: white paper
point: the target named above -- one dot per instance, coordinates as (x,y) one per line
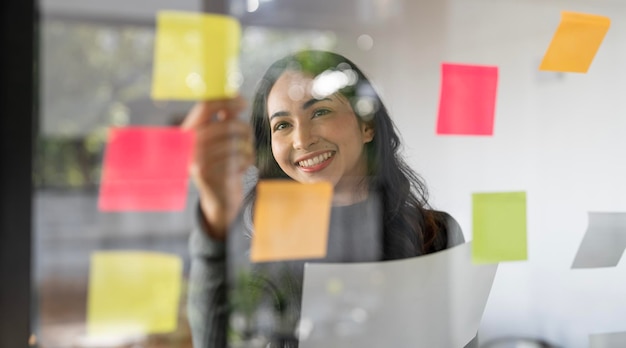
(432,301)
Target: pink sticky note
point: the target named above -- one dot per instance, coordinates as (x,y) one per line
(146,169)
(468,99)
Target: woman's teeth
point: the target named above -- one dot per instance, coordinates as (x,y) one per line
(315,160)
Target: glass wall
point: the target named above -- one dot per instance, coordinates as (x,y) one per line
(556,140)
(96,75)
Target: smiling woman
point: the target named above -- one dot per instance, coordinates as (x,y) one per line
(318,139)
(315,117)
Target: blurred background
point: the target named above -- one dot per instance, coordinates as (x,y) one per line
(559,137)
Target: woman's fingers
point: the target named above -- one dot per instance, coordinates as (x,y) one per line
(217,169)
(223,150)
(222,131)
(222,153)
(204,112)
(222,142)
(228,156)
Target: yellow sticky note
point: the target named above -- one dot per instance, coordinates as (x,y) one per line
(499,227)
(291,220)
(195,56)
(575,43)
(133,293)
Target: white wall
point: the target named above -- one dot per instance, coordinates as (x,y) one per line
(558,137)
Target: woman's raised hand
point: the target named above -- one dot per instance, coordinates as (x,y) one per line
(222,153)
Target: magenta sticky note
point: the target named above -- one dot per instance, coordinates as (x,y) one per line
(146,169)
(468,99)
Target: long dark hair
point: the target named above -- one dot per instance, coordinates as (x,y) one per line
(409,226)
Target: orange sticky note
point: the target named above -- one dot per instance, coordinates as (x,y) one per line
(195,56)
(575,43)
(291,220)
(133,293)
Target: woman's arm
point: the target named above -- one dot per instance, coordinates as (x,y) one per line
(222,153)
(206,295)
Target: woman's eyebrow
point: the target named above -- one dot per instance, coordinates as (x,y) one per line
(312,101)
(279,114)
(305,106)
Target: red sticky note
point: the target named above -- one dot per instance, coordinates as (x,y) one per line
(146,169)
(468,99)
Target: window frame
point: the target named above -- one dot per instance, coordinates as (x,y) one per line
(18,107)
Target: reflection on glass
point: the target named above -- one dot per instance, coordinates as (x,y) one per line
(94,76)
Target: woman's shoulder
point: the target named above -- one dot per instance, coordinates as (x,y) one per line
(448,232)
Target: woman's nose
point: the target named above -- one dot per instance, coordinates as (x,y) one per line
(304,137)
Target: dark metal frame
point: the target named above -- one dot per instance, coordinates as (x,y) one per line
(18,39)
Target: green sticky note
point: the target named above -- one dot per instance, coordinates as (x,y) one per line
(499,227)
(195,56)
(133,293)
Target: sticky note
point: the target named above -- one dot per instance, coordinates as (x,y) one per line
(468,99)
(195,56)
(146,169)
(437,300)
(604,242)
(575,42)
(499,227)
(133,293)
(291,220)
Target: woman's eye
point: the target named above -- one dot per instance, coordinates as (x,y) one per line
(281,125)
(320,112)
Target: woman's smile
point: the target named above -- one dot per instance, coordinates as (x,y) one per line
(315,162)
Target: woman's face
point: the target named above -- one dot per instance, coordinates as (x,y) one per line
(316,139)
